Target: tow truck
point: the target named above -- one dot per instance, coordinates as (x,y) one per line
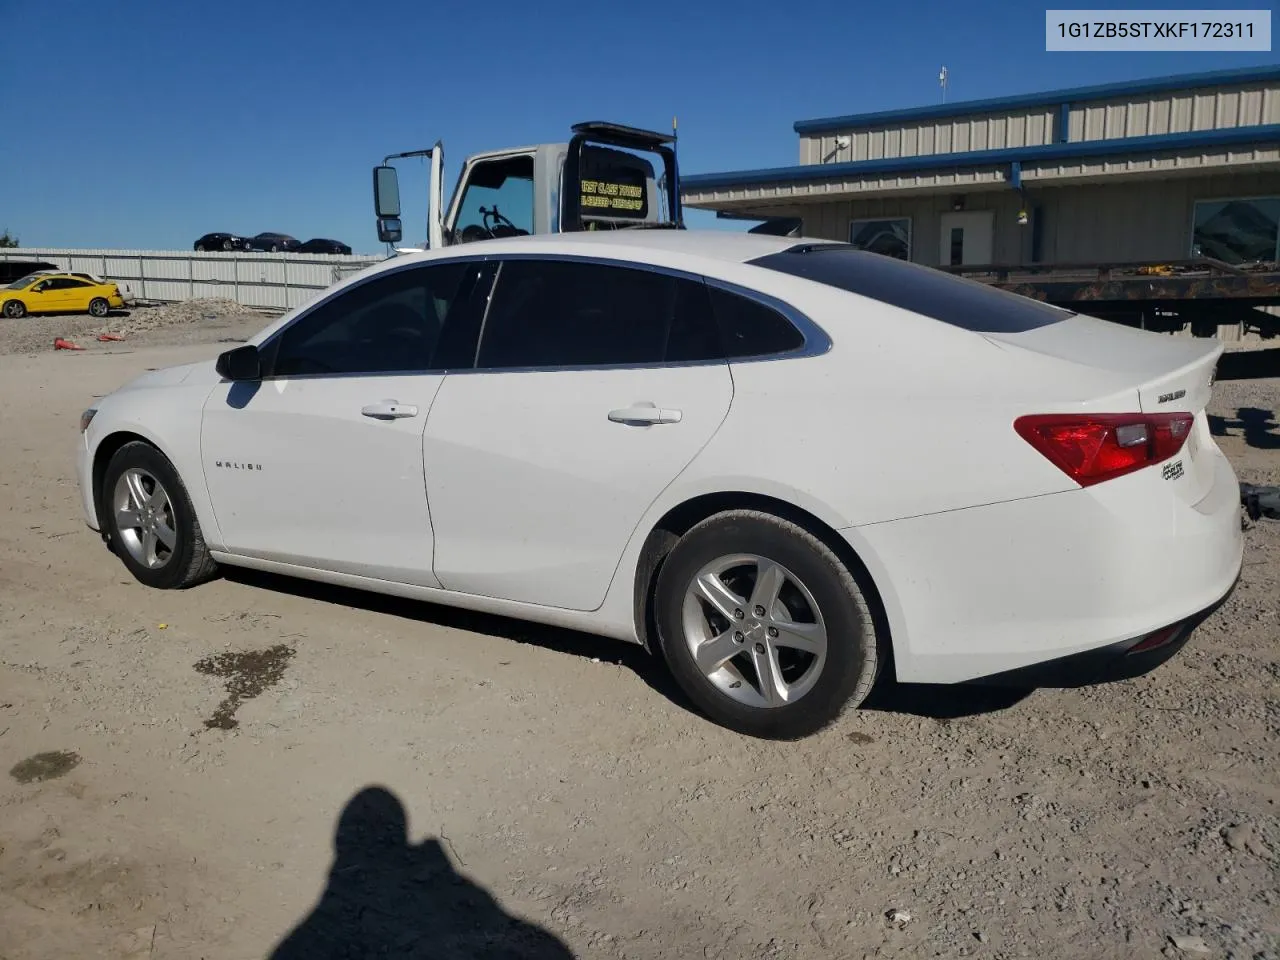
(597,180)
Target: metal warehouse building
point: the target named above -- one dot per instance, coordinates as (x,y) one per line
(1165,169)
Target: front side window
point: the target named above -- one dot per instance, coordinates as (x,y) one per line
(497,200)
(1237,231)
(891,237)
(548,313)
(390,324)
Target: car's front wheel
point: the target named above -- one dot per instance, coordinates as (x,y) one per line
(150,522)
(763,626)
(15,309)
(99,307)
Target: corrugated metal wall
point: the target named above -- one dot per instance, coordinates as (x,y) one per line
(1144,220)
(1178,111)
(1141,220)
(982,132)
(270,280)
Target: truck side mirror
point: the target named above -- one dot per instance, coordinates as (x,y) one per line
(386,192)
(242,363)
(389,230)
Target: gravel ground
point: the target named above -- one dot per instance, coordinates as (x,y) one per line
(192,321)
(260,767)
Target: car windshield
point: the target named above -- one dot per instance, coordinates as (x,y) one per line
(22,282)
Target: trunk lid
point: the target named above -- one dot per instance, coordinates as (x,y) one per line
(1169,373)
(1118,369)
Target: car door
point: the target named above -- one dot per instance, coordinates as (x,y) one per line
(44,296)
(320,462)
(595,386)
(75,294)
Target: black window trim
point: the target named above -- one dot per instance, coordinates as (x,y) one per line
(814,340)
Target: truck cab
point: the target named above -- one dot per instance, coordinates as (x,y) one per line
(601,179)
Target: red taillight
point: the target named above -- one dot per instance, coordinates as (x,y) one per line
(1090,448)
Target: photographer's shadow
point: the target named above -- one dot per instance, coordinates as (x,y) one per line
(386,898)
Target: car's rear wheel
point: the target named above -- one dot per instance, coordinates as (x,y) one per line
(226,245)
(199,248)
(99,307)
(150,522)
(763,627)
(15,309)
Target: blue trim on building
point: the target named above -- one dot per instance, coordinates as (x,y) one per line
(1049,98)
(1015,175)
(1268,133)
(1064,122)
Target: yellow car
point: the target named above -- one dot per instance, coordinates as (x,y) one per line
(58,293)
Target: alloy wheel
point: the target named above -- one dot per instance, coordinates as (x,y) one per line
(755,630)
(144,517)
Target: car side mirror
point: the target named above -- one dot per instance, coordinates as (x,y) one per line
(242,363)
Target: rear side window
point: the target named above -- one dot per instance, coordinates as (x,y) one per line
(748,328)
(568,314)
(949,299)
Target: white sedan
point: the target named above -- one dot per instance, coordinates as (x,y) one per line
(785,465)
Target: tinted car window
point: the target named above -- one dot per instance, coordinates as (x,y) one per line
(953,300)
(390,324)
(749,328)
(565,314)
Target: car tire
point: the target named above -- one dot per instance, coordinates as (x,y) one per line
(134,474)
(99,307)
(199,248)
(274,248)
(817,641)
(226,245)
(14,309)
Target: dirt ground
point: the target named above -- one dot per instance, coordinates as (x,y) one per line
(265,768)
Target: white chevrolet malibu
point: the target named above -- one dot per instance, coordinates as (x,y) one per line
(786,466)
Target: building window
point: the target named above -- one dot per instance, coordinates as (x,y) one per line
(891,237)
(1237,231)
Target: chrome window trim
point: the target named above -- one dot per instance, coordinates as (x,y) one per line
(814,340)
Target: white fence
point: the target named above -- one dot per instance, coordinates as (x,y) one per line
(270,280)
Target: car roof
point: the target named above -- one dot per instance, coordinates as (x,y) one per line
(725,245)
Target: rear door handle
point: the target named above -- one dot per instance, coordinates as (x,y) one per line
(645,413)
(389,410)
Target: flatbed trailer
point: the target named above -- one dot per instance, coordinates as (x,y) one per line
(1163,297)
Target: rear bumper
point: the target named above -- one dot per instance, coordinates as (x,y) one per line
(1116,661)
(1068,583)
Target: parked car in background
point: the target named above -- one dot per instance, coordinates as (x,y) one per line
(323,245)
(11,270)
(58,293)
(91,277)
(221,241)
(273,243)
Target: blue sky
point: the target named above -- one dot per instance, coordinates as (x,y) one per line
(145,124)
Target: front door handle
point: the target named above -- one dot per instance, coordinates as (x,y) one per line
(389,410)
(645,413)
